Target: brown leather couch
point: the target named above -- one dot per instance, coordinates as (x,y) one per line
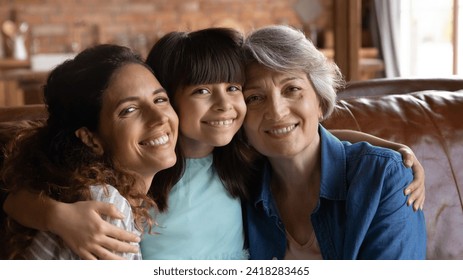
(425,114)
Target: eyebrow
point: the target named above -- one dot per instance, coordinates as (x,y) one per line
(133,98)
(284,80)
(290,79)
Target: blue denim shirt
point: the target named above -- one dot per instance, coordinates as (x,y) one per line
(361,213)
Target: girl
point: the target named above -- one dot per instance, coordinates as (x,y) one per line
(110,129)
(203,73)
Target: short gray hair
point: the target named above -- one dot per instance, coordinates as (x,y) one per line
(285,49)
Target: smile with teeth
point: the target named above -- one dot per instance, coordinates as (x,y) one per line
(156,142)
(283,130)
(221,123)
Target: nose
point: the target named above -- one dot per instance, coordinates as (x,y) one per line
(222,102)
(276,108)
(156,116)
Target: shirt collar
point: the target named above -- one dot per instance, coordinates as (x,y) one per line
(333,184)
(265,194)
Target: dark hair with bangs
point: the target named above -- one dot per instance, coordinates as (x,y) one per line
(206,56)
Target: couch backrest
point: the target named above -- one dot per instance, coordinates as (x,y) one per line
(430,122)
(378,87)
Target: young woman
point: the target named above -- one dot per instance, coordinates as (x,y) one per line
(110,129)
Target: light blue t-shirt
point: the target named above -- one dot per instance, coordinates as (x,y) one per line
(202,222)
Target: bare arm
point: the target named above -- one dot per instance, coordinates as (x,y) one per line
(416,189)
(79,224)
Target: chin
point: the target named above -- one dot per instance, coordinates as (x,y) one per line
(279,152)
(165,163)
(169,162)
(222,141)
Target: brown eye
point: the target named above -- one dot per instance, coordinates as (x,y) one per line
(233,88)
(253,99)
(292,89)
(201,91)
(161,100)
(127,111)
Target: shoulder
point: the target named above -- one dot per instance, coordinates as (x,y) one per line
(107,193)
(364,150)
(364,155)
(358,156)
(110,194)
(377,165)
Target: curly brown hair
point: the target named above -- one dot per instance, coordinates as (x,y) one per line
(50,160)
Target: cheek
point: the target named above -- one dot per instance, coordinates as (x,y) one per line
(250,126)
(242,112)
(184,117)
(119,139)
(242,108)
(174,120)
(183,127)
(189,111)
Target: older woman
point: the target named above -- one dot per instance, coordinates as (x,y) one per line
(319,198)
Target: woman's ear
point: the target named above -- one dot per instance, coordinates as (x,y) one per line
(320,114)
(89,139)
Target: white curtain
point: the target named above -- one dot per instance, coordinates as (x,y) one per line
(388,20)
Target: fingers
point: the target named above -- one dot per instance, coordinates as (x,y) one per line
(104,254)
(419,203)
(114,245)
(416,190)
(91,237)
(408,156)
(85,255)
(105,247)
(98,253)
(122,235)
(109,210)
(113,242)
(416,197)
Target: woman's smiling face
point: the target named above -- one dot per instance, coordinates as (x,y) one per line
(283,111)
(138,125)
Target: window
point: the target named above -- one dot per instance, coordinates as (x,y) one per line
(431,39)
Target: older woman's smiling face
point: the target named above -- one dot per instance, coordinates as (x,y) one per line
(283,112)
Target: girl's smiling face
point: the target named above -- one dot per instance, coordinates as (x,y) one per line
(210,115)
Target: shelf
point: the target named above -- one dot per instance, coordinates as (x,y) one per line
(11,64)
